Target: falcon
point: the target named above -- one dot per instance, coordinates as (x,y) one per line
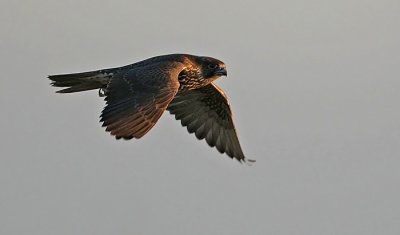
(136,96)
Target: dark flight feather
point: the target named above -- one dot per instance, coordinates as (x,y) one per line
(206,112)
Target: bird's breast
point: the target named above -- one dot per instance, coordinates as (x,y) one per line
(191,79)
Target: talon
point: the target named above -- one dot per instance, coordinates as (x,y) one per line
(102,92)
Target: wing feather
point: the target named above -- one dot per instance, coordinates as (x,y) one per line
(136,98)
(206,113)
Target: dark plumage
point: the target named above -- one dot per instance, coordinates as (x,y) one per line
(136,95)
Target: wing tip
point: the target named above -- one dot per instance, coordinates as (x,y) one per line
(244,160)
(249,162)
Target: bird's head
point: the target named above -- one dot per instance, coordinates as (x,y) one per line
(212,68)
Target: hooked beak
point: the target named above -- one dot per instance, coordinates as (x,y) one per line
(221,72)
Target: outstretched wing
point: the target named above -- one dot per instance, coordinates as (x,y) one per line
(137,97)
(206,113)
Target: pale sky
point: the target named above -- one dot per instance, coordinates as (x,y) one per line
(314,89)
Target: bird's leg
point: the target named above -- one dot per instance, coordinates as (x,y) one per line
(102,92)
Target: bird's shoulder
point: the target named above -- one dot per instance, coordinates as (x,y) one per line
(170,62)
(172,59)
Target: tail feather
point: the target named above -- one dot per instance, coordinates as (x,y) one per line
(81,81)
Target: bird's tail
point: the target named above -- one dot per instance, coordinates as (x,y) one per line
(76,82)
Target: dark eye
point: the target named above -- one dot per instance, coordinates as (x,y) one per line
(212,66)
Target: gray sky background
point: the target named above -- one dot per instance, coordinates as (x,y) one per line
(314,87)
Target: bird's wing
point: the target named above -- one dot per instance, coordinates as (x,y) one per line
(206,113)
(137,97)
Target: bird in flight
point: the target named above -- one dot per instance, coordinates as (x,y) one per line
(136,96)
